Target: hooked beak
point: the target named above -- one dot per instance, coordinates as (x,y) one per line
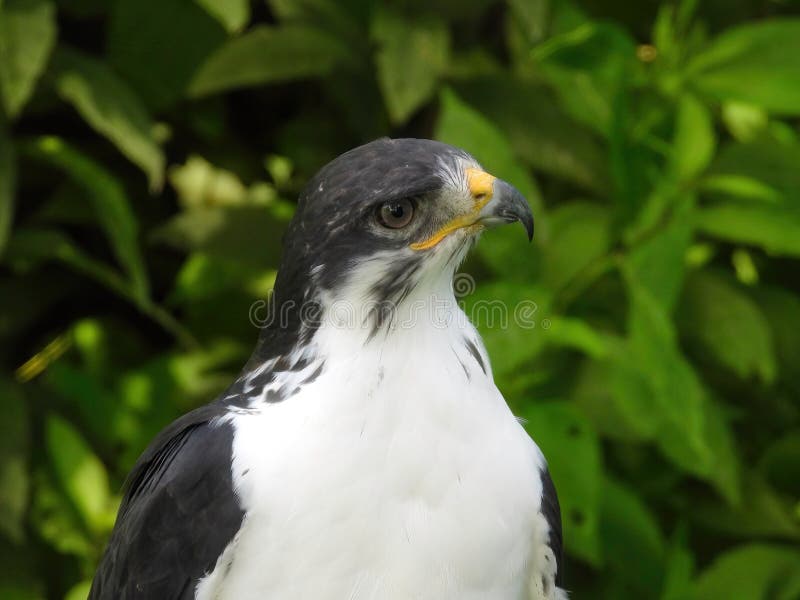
(506,206)
(494,202)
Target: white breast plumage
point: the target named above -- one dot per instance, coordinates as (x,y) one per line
(398,472)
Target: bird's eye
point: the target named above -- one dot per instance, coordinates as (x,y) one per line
(396,214)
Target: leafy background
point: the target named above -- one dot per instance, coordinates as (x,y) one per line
(150,154)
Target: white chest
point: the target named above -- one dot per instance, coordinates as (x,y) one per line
(394,474)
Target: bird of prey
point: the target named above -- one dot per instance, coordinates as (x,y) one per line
(364,452)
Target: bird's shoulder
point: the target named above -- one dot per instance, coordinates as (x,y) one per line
(178,514)
(548,572)
(552,513)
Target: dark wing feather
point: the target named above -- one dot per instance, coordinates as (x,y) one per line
(552,512)
(178,515)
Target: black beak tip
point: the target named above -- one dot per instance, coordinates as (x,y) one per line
(515,207)
(528,224)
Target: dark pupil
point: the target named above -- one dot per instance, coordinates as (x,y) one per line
(396,214)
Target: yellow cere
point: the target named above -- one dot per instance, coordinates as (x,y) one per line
(481,185)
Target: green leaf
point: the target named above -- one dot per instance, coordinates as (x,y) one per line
(56,520)
(665,34)
(780,464)
(461,125)
(679,567)
(268,55)
(752,572)
(631,535)
(227,232)
(774,228)
(725,469)
(630,161)
(740,187)
(79,591)
(754,63)
(600,48)
(205,276)
(727,326)
(8,174)
(80,473)
(782,310)
(658,262)
(531,18)
(694,140)
(574,459)
(233,14)
(110,107)
(675,396)
(168,384)
(580,234)
(509,317)
(588,65)
(762,513)
(200,374)
(27,35)
(745,121)
(345,19)
(29,247)
(138,35)
(570,332)
(657,386)
(539,130)
(411,56)
(91,401)
(109,201)
(766,159)
(745,267)
(198,183)
(616,406)
(14,469)
(93,340)
(791,588)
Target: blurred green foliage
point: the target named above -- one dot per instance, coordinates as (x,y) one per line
(150,154)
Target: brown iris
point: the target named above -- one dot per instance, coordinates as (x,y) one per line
(396,214)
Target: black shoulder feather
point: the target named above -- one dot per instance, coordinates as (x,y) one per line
(552,512)
(178,514)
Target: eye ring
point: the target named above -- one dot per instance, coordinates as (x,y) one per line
(396,214)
